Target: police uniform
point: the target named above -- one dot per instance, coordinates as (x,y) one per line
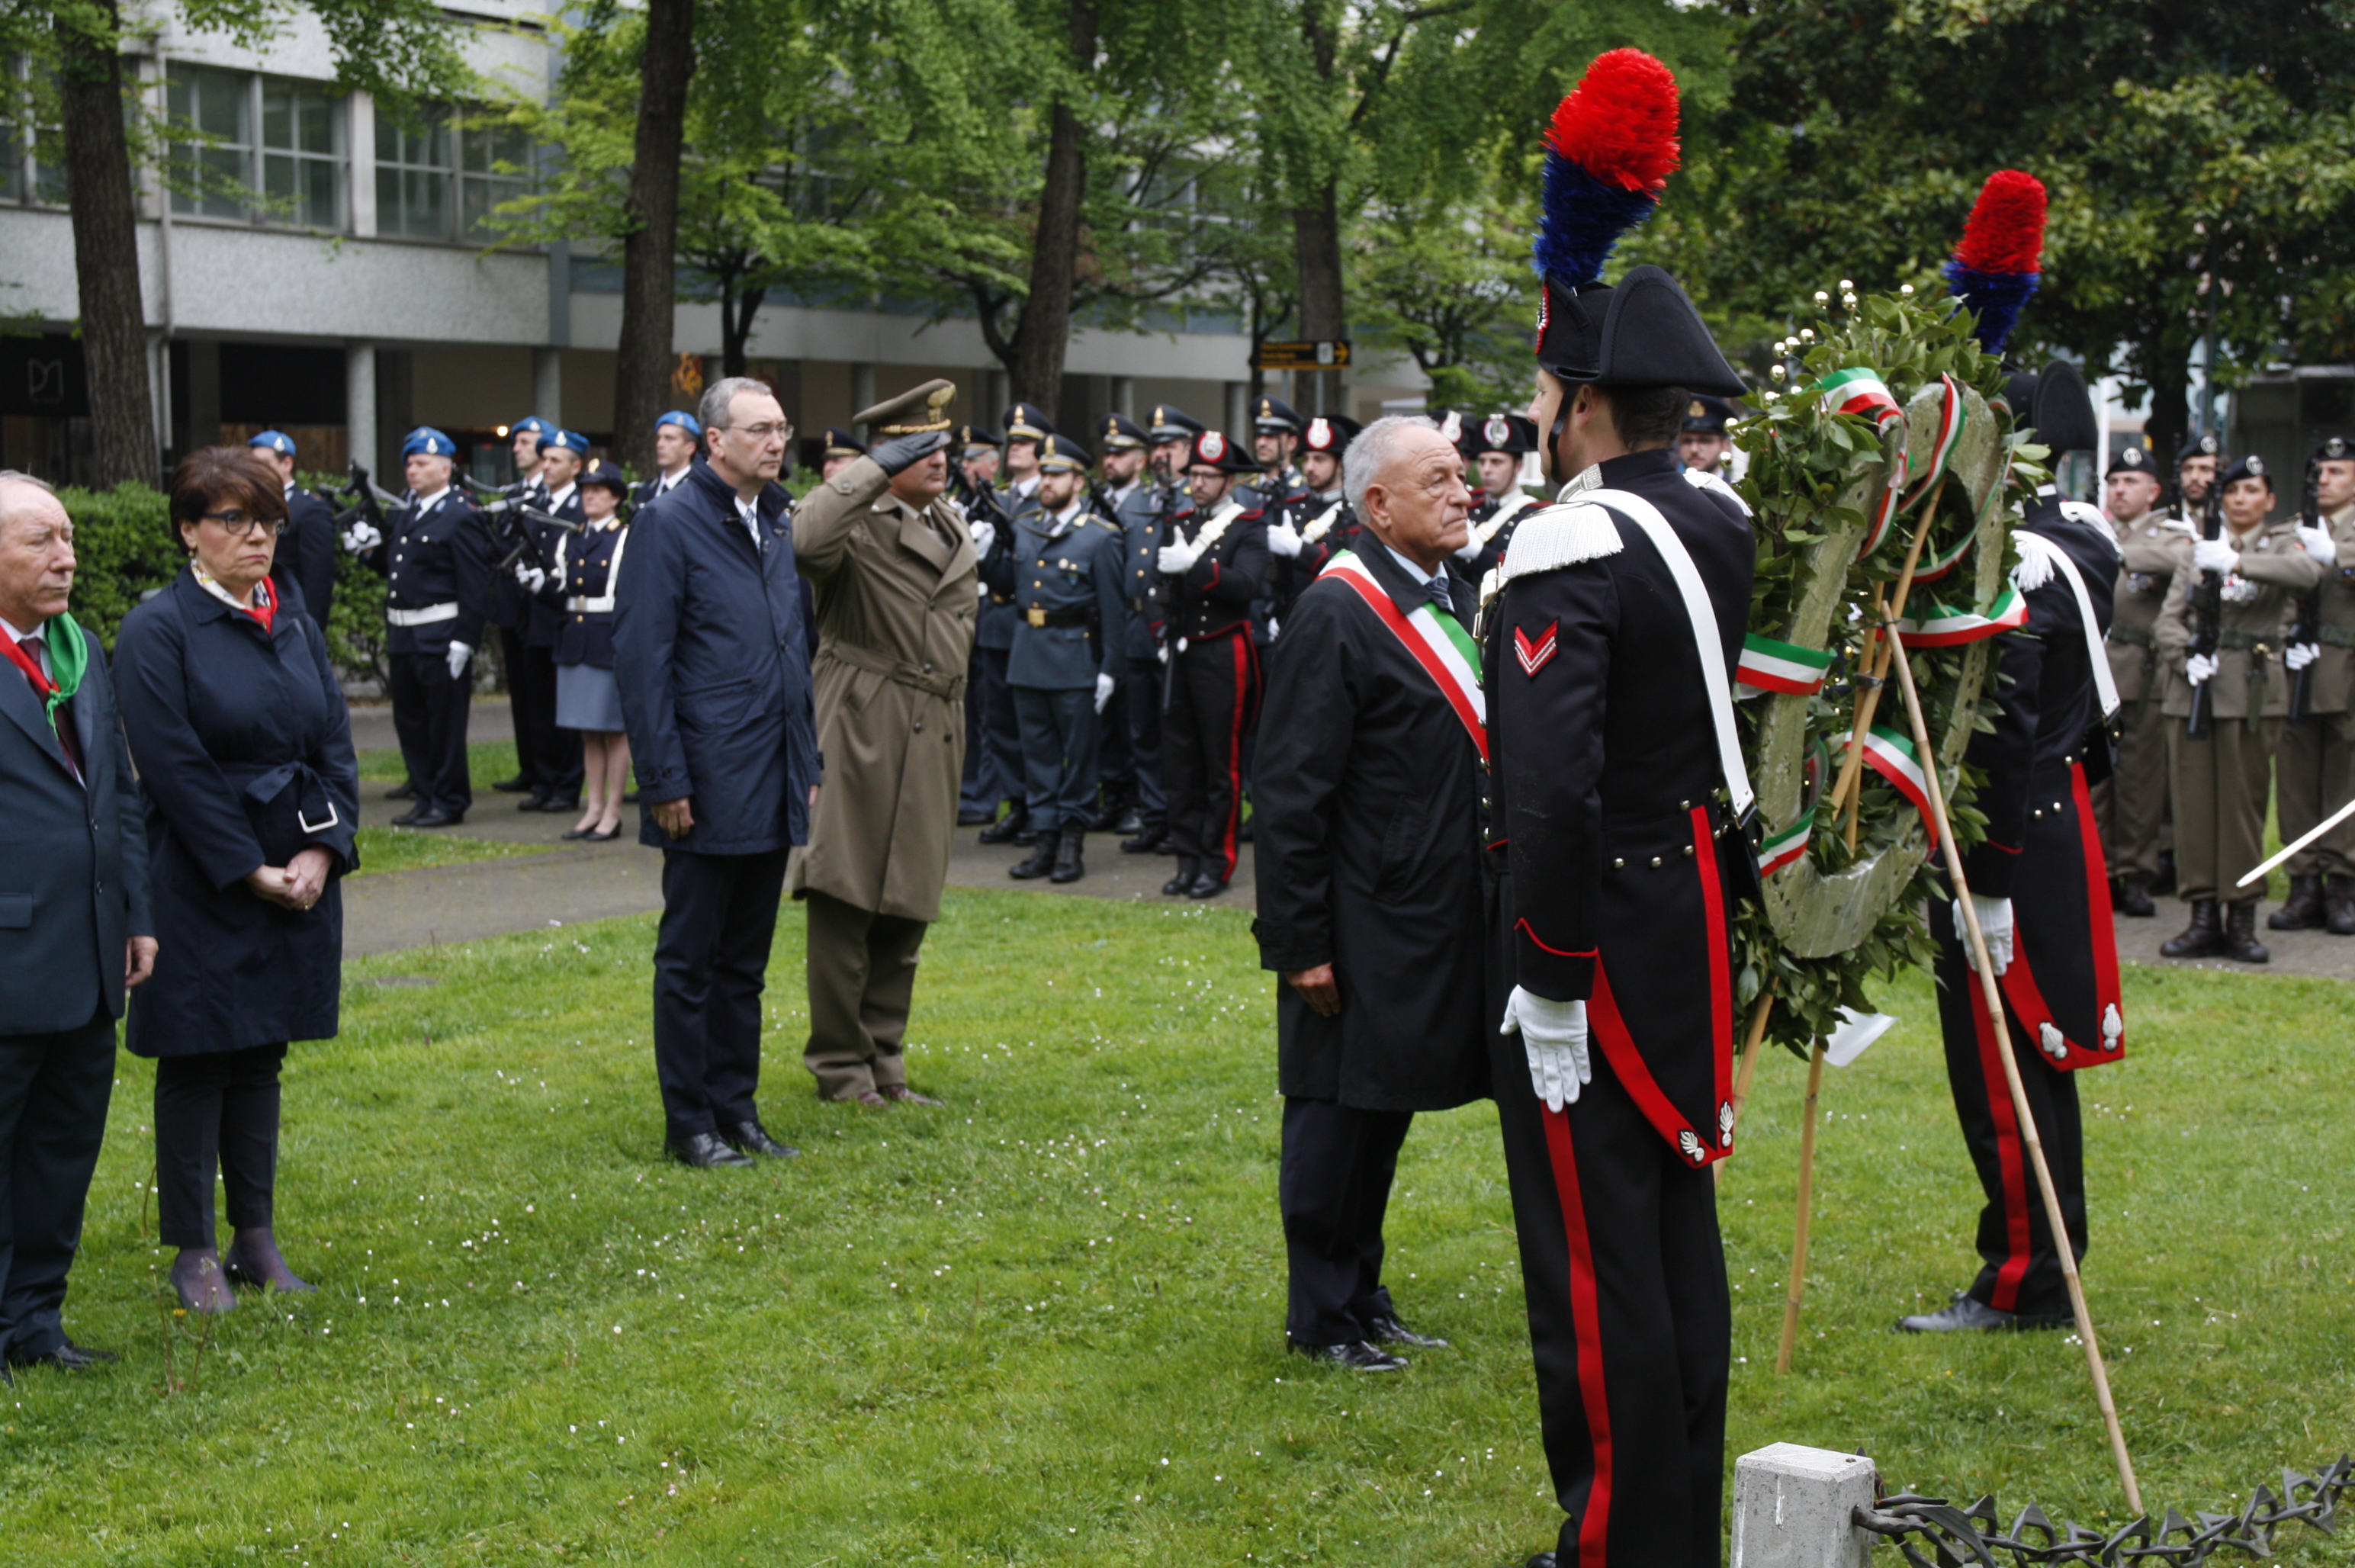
(979,789)
(1064,576)
(1705,415)
(1213,675)
(2132,804)
(2042,853)
(1492,521)
(994,638)
(437,567)
(2314,771)
(307,548)
(647,489)
(582,569)
(1119,771)
(1618,860)
(2222,777)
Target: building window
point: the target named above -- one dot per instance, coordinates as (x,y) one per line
(32,150)
(491,161)
(302,152)
(296,164)
(219,105)
(439,176)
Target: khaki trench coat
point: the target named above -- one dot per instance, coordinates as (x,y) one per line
(897,590)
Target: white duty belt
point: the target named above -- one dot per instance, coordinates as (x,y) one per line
(603,603)
(425,617)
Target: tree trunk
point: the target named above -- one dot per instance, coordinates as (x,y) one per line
(106,252)
(2169,421)
(649,264)
(1044,330)
(1316,228)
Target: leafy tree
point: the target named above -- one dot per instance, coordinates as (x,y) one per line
(1450,284)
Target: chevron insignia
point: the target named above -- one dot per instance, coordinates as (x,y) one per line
(1535,655)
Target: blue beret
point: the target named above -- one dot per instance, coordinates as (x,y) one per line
(565,440)
(685,421)
(276,441)
(430,443)
(530,424)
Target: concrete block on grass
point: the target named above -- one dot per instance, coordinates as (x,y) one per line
(1792,1508)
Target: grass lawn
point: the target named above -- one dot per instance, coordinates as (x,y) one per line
(406,849)
(485,761)
(1043,1325)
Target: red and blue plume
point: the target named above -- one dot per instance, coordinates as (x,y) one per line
(1994,271)
(1609,151)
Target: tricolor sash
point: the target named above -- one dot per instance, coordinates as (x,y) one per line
(1770,666)
(1946,627)
(1435,641)
(1787,847)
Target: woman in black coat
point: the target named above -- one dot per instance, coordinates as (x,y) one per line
(243,745)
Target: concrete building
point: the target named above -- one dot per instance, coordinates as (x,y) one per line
(367,298)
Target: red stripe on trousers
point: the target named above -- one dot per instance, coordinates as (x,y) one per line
(2012,1155)
(1586,1320)
(1244,651)
(1720,971)
(2097,903)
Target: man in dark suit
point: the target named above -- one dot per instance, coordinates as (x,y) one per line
(1369,886)
(306,555)
(712,654)
(75,934)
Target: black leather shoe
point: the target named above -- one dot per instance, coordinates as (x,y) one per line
(1966,1312)
(2164,883)
(2134,896)
(901,1094)
(409,818)
(2240,943)
(404,790)
(516,785)
(550,803)
(2302,911)
(1003,831)
(1129,822)
(1069,863)
(971,816)
(751,1138)
(1175,886)
(434,817)
(1041,861)
(1108,820)
(1358,1357)
(1542,1559)
(2203,938)
(2339,904)
(1148,840)
(704,1151)
(1209,885)
(1391,1331)
(68,1356)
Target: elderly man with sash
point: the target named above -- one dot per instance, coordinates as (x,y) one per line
(1369,867)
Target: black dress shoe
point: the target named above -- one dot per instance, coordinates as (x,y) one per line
(1358,1357)
(1967,1313)
(704,1151)
(1003,831)
(602,836)
(68,1356)
(1148,840)
(751,1138)
(572,833)
(1391,1331)
(434,817)
(1175,886)
(550,803)
(1041,861)
(409,818)
(1541,1559)
(404,790)
(516,785)
(1209,885)
(971,816)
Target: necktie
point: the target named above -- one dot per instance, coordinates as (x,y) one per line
(1438,586)
(67,741)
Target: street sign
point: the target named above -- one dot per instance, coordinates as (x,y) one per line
(1302,354)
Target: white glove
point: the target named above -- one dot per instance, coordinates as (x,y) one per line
(2318,544)
(985,534)
(362,536)
(2301,654)
(2198,667)
(1177,558)
(458,654)
(1995,924)
(1471,549)
(1103,691)
(1554,1036)
(530,579)
(1284,539)
(2214,555)
(1162,653)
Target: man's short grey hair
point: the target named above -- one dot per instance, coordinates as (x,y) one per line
(11,477)
(1371,453)
(716,397)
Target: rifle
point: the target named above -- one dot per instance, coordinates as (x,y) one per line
(503,518)
(2308,627)
(367,502)
(2208,613)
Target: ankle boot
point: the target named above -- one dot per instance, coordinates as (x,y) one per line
(1042,860)
(2134,896)
(2240,943)
(2202,938)
(2303,910)
(1175,886)
(2339,904)
(1069,866)
(2164,883)
(1003,831)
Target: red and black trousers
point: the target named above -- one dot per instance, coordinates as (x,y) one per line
(1213,701)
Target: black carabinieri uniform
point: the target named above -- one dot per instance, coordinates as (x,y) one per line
(1213,694)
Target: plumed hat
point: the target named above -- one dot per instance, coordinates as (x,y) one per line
(1994,270)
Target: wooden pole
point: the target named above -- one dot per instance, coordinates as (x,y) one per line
(1992,996)
(1749,1064)
(1807,1199)
(1868,696)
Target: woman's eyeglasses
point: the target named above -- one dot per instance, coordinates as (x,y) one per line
(238,525)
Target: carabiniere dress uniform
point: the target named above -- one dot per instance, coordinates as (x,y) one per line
(1618,860)
(1213,673)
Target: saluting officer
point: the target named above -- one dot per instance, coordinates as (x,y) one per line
(1129,778)
(1316,523)
(1211,567)
(2315,771)
(836,450)
(677,436)
(1498,444)
(307,557)
(2222,777)
(1026,427)
(437,568)
(2132,804)
(1064,573)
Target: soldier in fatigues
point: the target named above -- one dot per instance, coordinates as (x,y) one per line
(2222,777)
(2131,805)
(2315,770)
(1064,574)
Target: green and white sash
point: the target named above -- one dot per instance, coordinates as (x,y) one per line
(1433,641)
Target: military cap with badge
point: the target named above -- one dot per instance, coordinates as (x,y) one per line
(1061,454)
(1027,421)
(837,442)
(276,441)
(1512,434)
(1708,414)
(427,442)
(2205,445)
(1273,414)
(683,420)
(1330,433)
(2252,466)
(1170,425)
(910,427)
(1211,449)
(1121,434)
(2131,458)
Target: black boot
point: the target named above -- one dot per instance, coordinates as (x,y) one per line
(1147,841)
(1003,831)
(1042,860)
(1069,866)
(2339,904)
(2203,938)
(2303,912)
(1175,886)
(1115,806)
(2134,896)
(2240,943)
(2164,883)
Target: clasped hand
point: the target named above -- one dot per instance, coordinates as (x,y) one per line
(297,884)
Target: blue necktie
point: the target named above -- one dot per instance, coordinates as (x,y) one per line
(1438,586)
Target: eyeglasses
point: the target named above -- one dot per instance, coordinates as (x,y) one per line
(237,525)
(763,431)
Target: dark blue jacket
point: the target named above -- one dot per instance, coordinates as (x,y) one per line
(1143,513)
(307,556)
(441,558)
(245,746)
(995,628)
(712,654)
(73,863)
(580,588)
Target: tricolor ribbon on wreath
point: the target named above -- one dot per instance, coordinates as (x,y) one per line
(1860,391)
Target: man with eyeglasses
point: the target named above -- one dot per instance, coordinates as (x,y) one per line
(711,657)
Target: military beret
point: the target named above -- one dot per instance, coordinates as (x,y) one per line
(1173,424)
(1213,450)
(571,441)
(1027,421)
(2197,446)
(915,412)
(276,441)
(1330,433)
(1062,453)
(530,424)
(2131,459)
(685,421)
(2336,449)
(427,442)
(2250,467)
(1121,434)
(839,442)
(1275,414)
